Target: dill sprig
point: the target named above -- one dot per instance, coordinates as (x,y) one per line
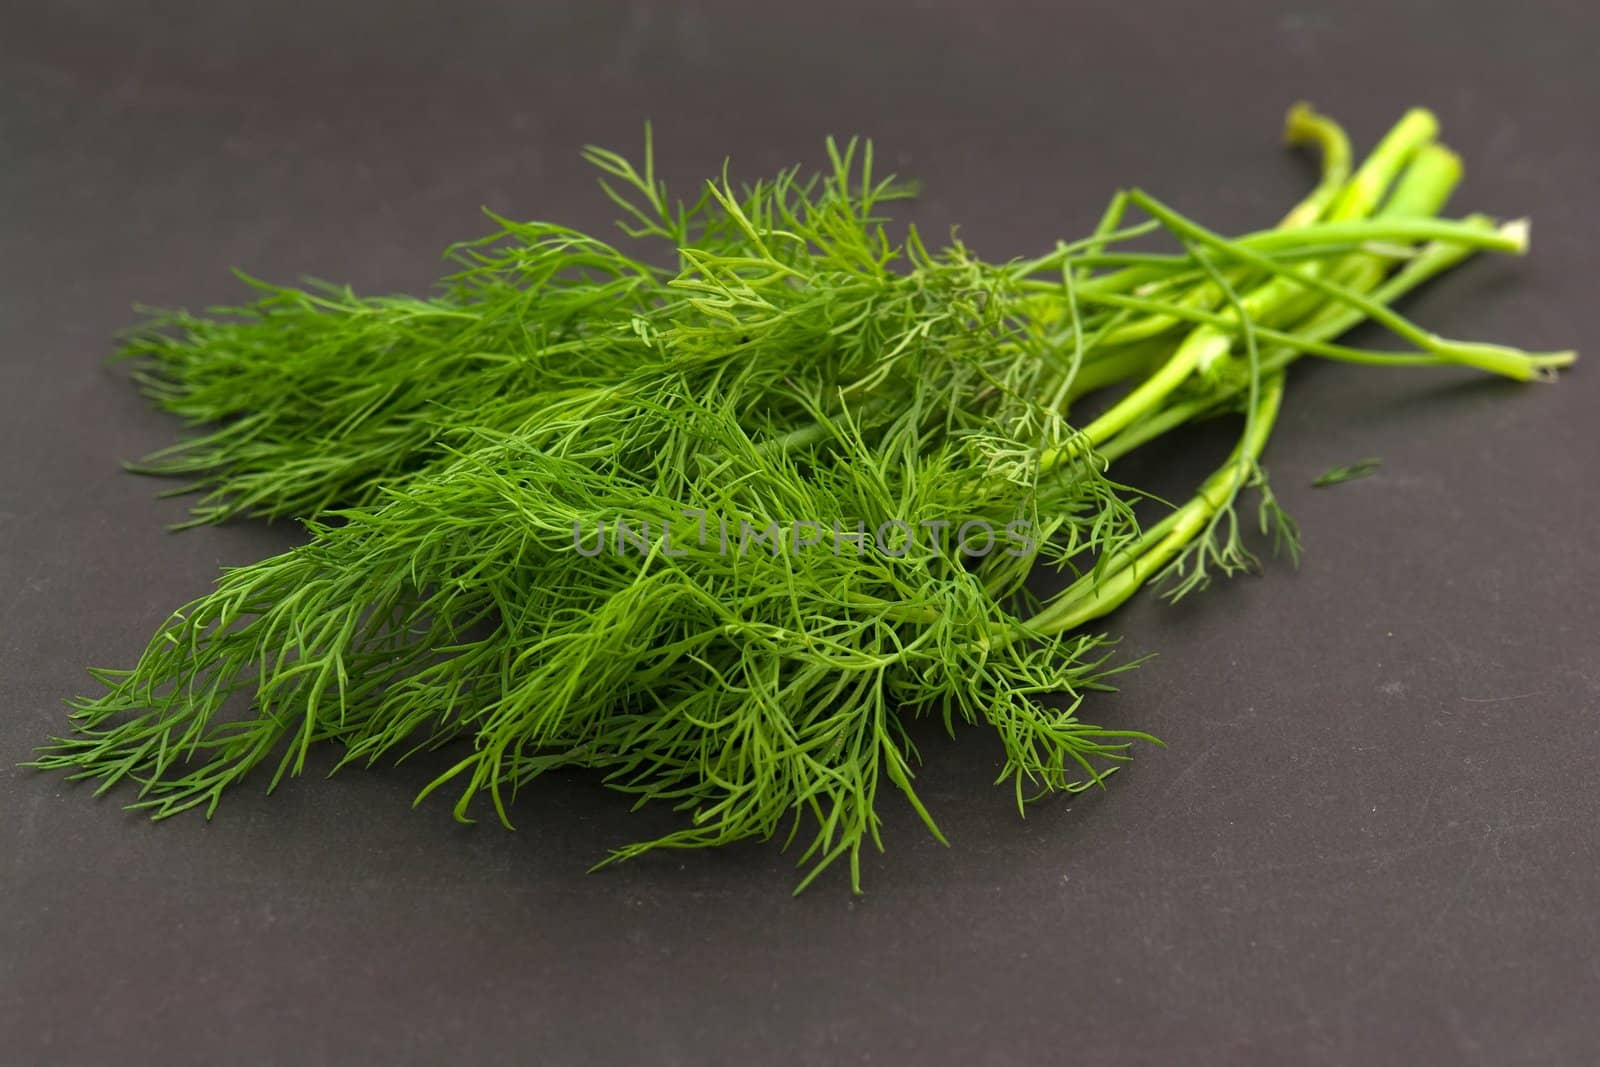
(795,374)
(1361,468)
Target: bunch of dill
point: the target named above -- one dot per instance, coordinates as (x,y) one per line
(797,374)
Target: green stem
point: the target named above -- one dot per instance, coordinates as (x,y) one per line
(1304,278)
(1331,322)
(1366,188)
(1303,126)
(1106,588)
(1302,242)
(1496,359)
(1206,345)
(1420,193)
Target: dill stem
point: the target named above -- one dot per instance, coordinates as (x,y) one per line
(1333,321)
(1308,241)
(1361,196)
(1099,592)
(1430,173)
(1303,126)
(1205,346)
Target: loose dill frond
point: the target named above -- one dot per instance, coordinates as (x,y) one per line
(1339,475)
(706,529)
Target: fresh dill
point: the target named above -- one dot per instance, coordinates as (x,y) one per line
(795,360)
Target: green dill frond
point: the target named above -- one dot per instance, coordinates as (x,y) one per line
(1354,472)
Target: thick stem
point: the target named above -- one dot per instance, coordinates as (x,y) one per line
(1303,126)
(1207,345)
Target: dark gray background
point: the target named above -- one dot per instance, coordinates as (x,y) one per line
(1372,838)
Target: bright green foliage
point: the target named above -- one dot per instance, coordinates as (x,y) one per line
(454,455)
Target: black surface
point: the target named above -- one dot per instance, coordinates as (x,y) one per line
(1372,838)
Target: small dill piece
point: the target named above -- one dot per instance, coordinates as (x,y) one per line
(1339,475)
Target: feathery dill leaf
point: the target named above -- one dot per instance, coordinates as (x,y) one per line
(1361,468)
